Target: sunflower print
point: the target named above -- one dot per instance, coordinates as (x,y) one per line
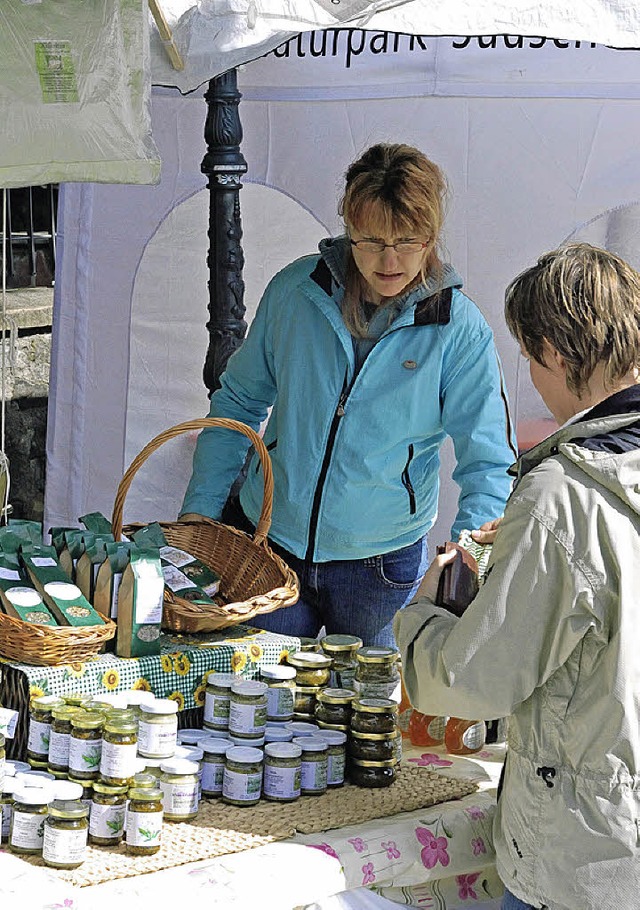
(238,661)
(178,697)
(283,656)
(166,663)
(35,692)
(111,679)
(255,652)
(76,669)
(142,685)
(199,695)
(181,664)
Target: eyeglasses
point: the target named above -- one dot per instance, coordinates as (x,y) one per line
(402,247)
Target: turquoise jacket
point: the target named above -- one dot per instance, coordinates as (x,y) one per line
(355,455)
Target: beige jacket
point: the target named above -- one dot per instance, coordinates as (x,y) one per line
(553,639)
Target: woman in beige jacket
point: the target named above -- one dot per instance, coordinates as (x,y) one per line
(552,638)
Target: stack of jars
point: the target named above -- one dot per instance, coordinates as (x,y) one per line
(312,673)
(374,742)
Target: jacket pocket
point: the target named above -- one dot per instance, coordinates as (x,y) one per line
(406,482)
(272,445)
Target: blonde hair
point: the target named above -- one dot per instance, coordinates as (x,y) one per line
(584,301)
(391,190)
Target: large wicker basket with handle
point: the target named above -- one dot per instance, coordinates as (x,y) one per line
(254,580)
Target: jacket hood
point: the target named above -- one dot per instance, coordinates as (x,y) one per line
(335,251)
(604,444)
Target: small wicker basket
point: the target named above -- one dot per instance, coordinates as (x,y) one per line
(254,580)
(42,646)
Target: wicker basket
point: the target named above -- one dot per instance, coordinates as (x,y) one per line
(30,643)
(254,580)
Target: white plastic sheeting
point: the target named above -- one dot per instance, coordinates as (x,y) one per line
(74,92)
(131,294)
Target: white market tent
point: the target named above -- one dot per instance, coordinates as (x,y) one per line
(538,139)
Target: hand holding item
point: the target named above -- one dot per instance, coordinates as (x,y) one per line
(486,533)
(458,583)
(429,584)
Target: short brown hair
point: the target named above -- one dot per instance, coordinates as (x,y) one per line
(584,301)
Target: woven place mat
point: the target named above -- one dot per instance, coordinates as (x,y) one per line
(220,828)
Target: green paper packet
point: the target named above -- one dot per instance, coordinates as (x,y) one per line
(29,530)
(64,599)
(140,602)
(184,574)
(72,550)
(17,597)
(89,563)
(98,523)
(109,578)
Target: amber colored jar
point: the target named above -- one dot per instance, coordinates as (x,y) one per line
(426,729)
(463,737)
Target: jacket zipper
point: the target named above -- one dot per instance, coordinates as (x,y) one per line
(406,482)
(317,496)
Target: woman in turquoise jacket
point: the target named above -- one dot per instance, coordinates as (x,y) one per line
(368,355)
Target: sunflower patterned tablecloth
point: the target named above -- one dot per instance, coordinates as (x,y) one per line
(179,672)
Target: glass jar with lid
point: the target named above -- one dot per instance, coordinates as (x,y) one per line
(281,685)
(333,706)
(304,700)
(85,745)
(248,708)
(213,762)
(189,736)
(76,699)
(119,746)
(374,715)
(313,772)
(158,728)
(372,746)
(66,827)
(371,773)
(312,668)
(277,734)
(336,756)
(30,808)
(180,788)
(40,726)
(6,807)
(242,778)
(60,737)
(107,813)
(308,644)
(377,673)
(216,700)
(282,771)
(144,821)
(87,789)
(342,651)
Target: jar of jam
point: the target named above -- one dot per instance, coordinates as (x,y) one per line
(333,706)
(242,779)
(377,673)
(248,708)
(342,651)
(65,834)
(463,737)
(312,668)
(336,754)
(374,715)
(107,813)
(60,738)
(372,746)
(282,772)
(281,685)
(216,700)
(180,789)
(371,773)
(40,726)
(213,761)
(426,729)
(313,771)
(30,808)
(119,745)
(158,728)
(85,745)
(144,821)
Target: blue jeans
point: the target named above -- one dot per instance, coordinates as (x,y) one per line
(354,596)
(511,902)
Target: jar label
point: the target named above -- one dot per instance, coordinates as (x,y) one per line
(241,787)
(280,703)
(65,847)
(474,736)
(144,829)
(84,755)
(247,719)
(335,768)
(283,783)
(27,830)
(180,798)
(216,709)
(118,760)
(7,813)
(212,774)
(38,741)
(158,740)
(59,749)
(106,821)
(314,774)
(435,728)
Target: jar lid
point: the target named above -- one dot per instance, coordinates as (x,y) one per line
(309,660)
(89,719)
(160,706)
(249,687)
(47,701)
(277,671)
(372,654)
(153,762)
(213,746)
(377,737)
(67,789)
(341,643)
(115,699)
(302,728)
(283,750)
(33,778)
(153,794)
(144,781)
(68,808)
(179,766)
(307,690)
(333,737)
(33,796)
(244,755)
(311,743)
(211,733)
(85,784)
(190,735)
(390,763)
(65,711)
(277,735)
(12,767)
(120,725)
(109,789)
(336,696)
(221,680)
(137,697)
(251,741)
(9,785)
(375,705)
(340,727)
(192,753)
